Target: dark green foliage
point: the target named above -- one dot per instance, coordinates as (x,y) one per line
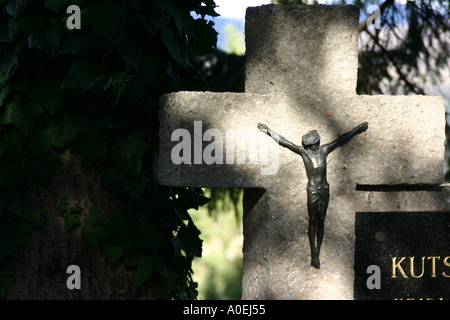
(95,91)
(224,72)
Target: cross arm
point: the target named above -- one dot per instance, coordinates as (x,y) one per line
(346,137)
(282,141)
(405,143)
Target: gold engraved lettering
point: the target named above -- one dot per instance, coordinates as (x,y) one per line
(433,265)
(397,265)
(411,267)
(447,264)
(428,269)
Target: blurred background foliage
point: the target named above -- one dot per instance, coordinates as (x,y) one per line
(219,271)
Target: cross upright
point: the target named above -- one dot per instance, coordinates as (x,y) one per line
(301,72)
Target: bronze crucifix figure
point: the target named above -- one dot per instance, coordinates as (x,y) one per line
(318,191)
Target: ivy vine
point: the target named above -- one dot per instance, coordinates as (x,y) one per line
(95,91)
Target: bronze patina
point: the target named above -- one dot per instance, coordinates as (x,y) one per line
(318,190)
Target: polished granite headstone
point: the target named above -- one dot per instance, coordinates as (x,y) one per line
(412,251)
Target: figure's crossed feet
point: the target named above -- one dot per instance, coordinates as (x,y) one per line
(315,262)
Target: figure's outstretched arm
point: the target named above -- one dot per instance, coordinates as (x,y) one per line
(346,137)
(280,139)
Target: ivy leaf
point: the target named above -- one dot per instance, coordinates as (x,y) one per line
(49,133)
(63,207)
(76,210)
(176,49)
(115,248)
(4,198)
(42,169)
(133,259)
(8,30)
(145,236)
(49,95)
(135,189)
(22,113)
(46,40)
(145,264)
(40,144)
(93,234)
(78,2)
(11,202)
(46,166)
(119,223)
(51,99)
(182,21)
(142,272)
(131,52)
(190,242)
(79,76)
(9,177)
(208,41)
(104,17)
(4,91)
(15,205)
(94,217)
(72,44)
(120,83)
(143,268)
(91,148)
(71,221)
(32,215)
(68,128)
(11,145)
(194,200)
(129,151)
(148,67)
(8,64)
(55,5)
(159,265)
(207,9)
(136,92)
(15,7)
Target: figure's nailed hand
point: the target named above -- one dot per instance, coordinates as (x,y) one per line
(364,126)
(263,127)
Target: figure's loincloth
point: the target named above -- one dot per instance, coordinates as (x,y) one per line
(318,199)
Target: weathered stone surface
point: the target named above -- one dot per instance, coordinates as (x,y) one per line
(299,50)
(425,198)
(276,247)
(397,149)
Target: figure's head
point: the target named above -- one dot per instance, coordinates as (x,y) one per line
(311,139)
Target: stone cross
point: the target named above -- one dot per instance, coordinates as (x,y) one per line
(301,72)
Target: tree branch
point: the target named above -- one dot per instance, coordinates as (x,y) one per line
(363,25)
